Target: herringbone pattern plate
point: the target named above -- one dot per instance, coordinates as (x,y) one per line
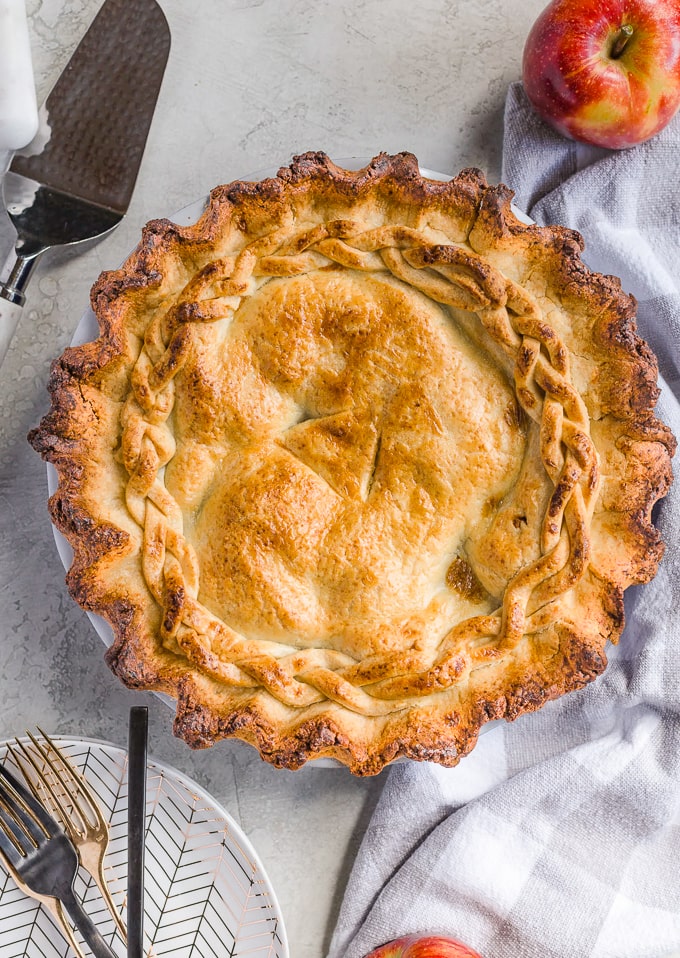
(207,895)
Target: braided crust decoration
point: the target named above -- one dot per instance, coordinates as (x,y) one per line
(527,586)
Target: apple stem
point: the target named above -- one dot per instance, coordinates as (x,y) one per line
(621,41)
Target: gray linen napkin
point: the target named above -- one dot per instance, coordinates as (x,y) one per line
(559,836)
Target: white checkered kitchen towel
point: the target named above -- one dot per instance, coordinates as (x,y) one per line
(559,836)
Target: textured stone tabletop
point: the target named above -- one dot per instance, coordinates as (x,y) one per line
(249,83)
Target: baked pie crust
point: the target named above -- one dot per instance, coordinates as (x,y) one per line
(358,463)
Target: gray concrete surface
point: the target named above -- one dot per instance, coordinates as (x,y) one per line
(249,83)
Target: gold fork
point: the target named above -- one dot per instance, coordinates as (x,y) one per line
(57,778)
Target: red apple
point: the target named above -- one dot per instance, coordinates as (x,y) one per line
(413,946)
(605,71)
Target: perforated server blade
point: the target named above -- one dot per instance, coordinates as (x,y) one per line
(75,180)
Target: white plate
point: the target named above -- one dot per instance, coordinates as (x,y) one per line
(206,892)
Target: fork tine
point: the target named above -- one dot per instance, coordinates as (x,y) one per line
(66,819)
(78,778)
(34,813)
(74,777)
(11,845)
(24,830)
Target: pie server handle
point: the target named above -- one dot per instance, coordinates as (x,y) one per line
(18,270)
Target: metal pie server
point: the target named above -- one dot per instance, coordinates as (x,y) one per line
(95,122)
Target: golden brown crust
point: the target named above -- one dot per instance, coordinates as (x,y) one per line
(358,463)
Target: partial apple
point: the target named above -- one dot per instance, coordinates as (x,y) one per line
(431,946)
(605,71)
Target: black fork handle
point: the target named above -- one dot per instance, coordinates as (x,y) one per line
(137,750)
(85,926)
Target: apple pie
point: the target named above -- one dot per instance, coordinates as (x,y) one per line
(358,463)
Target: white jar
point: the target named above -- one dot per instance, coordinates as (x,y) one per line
(18,110)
